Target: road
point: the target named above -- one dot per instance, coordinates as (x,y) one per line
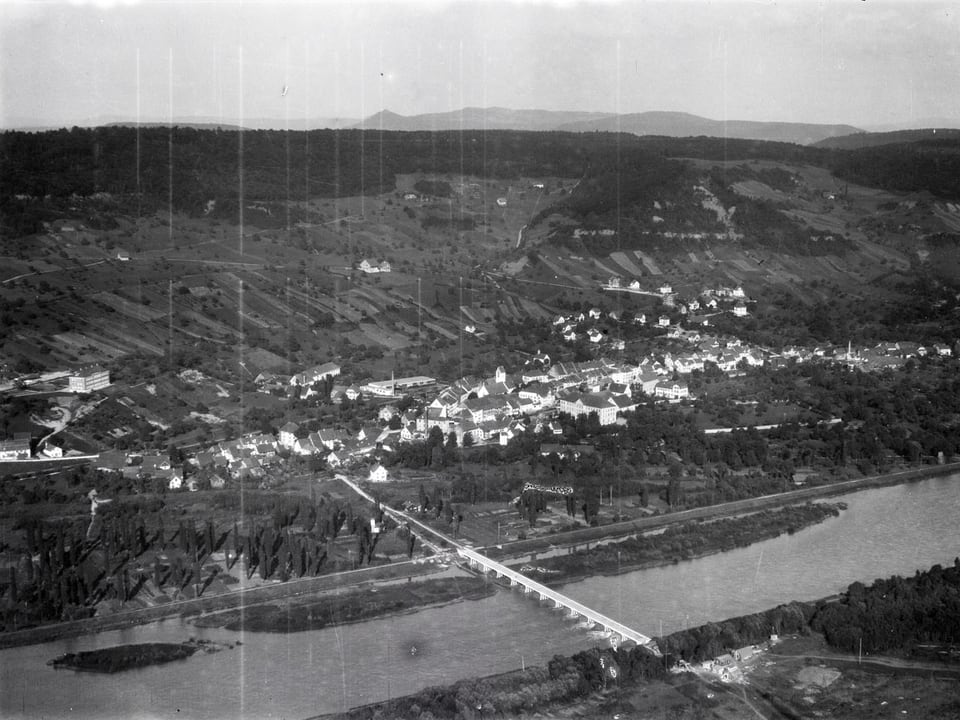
(426,532)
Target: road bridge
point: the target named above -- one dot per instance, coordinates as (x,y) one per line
(619,633)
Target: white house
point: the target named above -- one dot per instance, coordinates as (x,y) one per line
(378,474)
(372,266)
(740,310)
(671,390)
(288,434)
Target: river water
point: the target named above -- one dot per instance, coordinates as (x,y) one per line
(885,531)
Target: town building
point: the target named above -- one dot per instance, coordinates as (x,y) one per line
(15,448)
(88,379)
(399,386)
(671,390)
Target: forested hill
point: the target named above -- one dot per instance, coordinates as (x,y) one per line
(856,141)
(184,168)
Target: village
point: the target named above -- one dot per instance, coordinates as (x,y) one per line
(469,411)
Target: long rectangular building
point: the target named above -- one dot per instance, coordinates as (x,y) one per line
(89,379)
(399,386)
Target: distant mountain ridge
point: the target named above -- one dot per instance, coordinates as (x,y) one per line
(669,124)
(198,122)
(474,118)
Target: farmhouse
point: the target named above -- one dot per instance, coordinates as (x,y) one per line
(88,379)
(372,266)
(378,474)
(315,374)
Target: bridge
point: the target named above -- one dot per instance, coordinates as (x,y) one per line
(619,633)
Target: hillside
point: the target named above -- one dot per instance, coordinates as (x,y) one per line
(499,231)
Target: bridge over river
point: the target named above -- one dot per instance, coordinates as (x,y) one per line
(618,632)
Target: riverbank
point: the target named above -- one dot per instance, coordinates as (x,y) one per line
(358,605)
(294,588)
(687,541)
(775,663)
(587,535)
(248,597)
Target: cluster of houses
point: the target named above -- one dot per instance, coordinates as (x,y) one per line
(880,356)
(372,266)
(490,410)
(697,309)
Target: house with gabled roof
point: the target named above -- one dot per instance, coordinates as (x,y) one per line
(306,446)
(540,394)
(485,408)
(337,458)
(369,434)
(329,438)
(576,404)
(288,434)
(378,474)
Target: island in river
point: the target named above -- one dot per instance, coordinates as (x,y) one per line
(129,657)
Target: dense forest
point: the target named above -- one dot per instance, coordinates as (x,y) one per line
(927,165)
(895,613)
(140,170)
(143,169)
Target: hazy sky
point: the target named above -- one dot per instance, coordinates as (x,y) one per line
(836,61)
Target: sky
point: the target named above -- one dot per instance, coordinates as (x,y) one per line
(857,62)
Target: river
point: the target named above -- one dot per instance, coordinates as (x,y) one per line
(884,531)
